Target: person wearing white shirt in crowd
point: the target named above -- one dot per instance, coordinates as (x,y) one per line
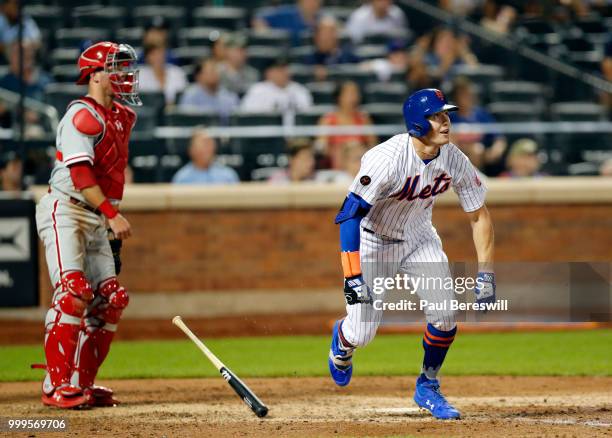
(396,61)
(159,75)
(376,17)
(9,25)
(278,93)
(203,167)
(207,94)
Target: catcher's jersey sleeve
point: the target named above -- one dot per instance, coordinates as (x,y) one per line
(469,187)
(374,180)
(74,145)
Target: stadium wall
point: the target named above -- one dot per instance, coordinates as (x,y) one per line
(280,238)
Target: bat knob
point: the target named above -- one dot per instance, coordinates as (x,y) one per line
(261,411)
(176,319)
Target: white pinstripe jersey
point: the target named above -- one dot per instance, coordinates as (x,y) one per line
(401,188)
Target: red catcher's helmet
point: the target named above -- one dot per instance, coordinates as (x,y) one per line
(119,61)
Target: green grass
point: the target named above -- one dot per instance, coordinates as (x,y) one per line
(555,353)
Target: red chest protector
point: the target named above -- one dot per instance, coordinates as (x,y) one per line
(111,147)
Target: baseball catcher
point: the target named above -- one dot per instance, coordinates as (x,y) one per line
(73,219)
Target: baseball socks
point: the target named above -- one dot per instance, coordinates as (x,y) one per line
(436,344)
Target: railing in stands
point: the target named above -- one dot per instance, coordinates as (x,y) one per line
(512,44)
(169,132)
(12,99)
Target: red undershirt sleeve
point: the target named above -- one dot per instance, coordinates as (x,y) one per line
(82,175)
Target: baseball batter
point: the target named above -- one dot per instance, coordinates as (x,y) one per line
(386,229)
(85,188)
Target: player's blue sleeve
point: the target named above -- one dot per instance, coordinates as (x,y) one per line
(352,211)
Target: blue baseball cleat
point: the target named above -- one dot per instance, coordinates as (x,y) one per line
(427,395)
(340,361)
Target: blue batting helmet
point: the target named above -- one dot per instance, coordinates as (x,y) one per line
(421,104)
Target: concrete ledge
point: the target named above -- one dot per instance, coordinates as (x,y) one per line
(156,197)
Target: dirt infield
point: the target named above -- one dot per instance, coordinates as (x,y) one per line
(371,406)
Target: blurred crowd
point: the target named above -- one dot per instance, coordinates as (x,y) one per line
(226,82)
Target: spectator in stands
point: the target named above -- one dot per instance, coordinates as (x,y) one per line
(202,168)
(34,78)
(158,75)
(157,34)
(9,26)
(207,94)
(129,174)
(297,18)
(396,61)
(606,168)
(34,81)
(327,48)
(11,172)
(418,75)
(606,71)
(484,150)
(352,152)
(446,51)
(460,7)
(301,164)
(348,99)
(523,160)
(277,93)
(497,18)
(236,74)
(219,46)
(376,17)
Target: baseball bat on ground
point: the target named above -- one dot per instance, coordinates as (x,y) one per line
(241,389)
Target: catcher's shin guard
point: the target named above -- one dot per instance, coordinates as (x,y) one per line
(97,332)
(62,323)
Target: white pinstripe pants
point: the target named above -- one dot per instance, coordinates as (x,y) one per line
(385,258)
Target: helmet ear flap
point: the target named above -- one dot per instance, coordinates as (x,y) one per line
(418,129)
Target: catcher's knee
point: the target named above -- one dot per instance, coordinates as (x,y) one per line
(114,299)
(74,294)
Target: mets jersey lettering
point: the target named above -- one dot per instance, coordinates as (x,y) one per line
(408,192)
(402,188)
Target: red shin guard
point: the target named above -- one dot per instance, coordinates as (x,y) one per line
(60,345)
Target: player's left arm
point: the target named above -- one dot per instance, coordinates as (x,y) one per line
(472,192)
(484,239)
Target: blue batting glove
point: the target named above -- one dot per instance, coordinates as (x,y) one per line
(356,291)
(485,293)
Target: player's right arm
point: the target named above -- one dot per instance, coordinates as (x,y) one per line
(77,137)
(119,224)
(369,185)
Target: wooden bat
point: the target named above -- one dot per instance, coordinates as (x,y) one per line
(241,389)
